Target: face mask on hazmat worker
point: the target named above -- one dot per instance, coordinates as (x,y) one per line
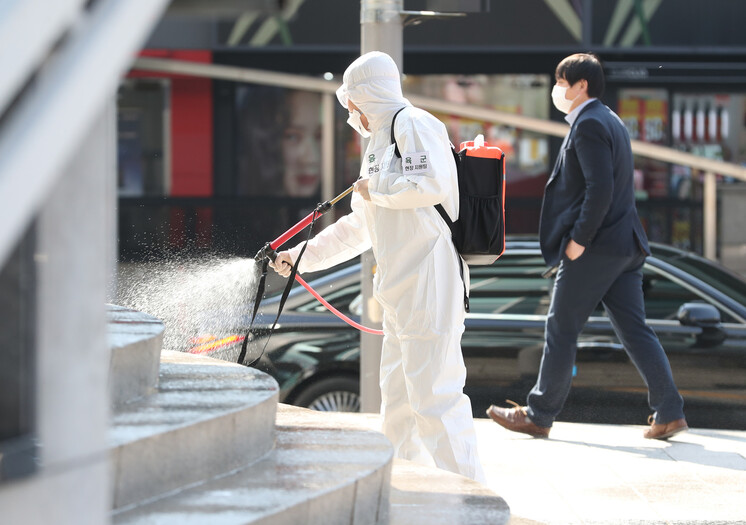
(418,284)
(355,120)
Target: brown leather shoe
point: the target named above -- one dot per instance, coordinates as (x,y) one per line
(515,419)
(664,430)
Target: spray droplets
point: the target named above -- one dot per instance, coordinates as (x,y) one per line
(194,298)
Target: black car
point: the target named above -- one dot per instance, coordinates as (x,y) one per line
(697,309)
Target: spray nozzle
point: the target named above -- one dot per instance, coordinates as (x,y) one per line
(266,252)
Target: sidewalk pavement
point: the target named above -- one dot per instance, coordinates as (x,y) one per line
(610,474)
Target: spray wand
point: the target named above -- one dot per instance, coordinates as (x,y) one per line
(268,252)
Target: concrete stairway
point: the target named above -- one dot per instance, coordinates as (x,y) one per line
(198,440)
(320,472)
(205,419)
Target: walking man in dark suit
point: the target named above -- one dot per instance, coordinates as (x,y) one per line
(590,231)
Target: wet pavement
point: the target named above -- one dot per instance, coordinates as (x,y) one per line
(609,474)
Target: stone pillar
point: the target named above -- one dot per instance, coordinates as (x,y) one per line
(381,30)
(75,239)
(732,199)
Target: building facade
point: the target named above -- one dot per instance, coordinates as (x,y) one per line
(209,165)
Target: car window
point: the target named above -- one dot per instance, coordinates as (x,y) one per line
(512,285)
(720,278)
(664,297)
(339,299)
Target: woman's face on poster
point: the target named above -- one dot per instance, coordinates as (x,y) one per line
(301,145)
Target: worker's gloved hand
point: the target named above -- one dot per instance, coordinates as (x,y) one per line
(283,264)
(361,187)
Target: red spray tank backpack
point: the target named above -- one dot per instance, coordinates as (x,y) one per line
(479,232)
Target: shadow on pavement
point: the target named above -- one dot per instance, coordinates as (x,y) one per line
(679,451)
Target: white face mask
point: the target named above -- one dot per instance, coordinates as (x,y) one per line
(357,124)
(558,97)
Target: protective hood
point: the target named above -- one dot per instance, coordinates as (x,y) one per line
(373,84)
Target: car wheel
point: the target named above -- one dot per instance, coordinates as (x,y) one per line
(334,394)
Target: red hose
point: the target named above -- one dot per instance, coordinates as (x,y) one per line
(292,232)
(336,312)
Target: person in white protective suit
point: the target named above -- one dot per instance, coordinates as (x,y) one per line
(418,283)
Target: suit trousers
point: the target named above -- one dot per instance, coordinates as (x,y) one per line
(580,285)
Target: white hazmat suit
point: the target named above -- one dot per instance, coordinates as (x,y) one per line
(426,415)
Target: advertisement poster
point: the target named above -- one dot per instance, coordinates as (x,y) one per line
(278,141)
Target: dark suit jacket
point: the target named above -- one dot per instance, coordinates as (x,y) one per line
(590,195)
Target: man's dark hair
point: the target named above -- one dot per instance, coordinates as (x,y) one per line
(583,66)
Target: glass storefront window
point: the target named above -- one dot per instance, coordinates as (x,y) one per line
(143,164)
(709,125)
(669,197)
(526,153)
(142,127)
(278,136)
(645,115)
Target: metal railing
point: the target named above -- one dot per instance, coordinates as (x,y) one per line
(710,167)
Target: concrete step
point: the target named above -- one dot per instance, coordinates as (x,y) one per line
(135,340)
(325,470)
(425,495)
(207,418)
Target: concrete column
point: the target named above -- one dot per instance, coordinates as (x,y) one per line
(732,239)
(710,214)
(74,258)
(328,101)
(381,30)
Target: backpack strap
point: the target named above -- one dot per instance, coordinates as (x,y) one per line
(445,216)
(438,207)
(393,138)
